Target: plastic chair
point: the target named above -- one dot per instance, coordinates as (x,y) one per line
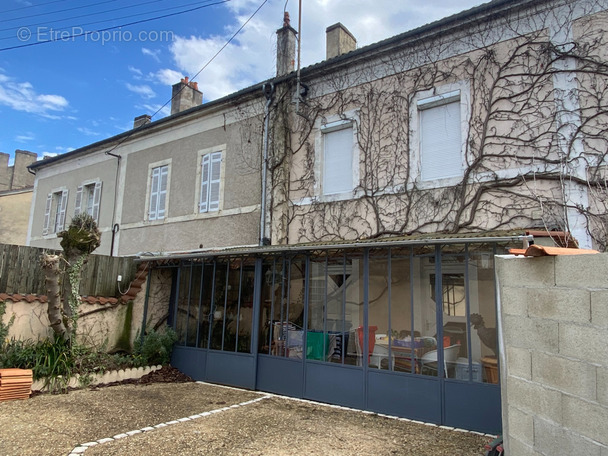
(429,360)
(370,343)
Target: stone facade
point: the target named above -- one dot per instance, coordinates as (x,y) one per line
(555,365)
(17,176)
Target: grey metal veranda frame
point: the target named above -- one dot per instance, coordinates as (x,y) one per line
(360,386)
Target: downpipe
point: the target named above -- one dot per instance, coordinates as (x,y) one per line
(268,90)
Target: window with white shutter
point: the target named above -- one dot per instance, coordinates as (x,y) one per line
(440,137)
(158,192)
(338,160)
(211,177)
(88,198)
(59,203)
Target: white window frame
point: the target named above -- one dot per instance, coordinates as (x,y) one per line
(55,211)
(428,99)
(151,168)
(84,195)
(328,125)
(211,154)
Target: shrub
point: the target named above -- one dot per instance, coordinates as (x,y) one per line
(156,347)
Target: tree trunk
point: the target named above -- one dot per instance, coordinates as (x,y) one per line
(51,265)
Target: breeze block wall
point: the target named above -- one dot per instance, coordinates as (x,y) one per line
(554,354)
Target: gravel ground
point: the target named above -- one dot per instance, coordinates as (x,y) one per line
(56,424)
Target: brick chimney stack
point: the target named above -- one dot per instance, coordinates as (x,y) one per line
(286,47)
(338,41)
(141,120)
(185,95)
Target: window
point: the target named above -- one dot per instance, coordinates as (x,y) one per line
(338,159)
(158,192)
(54,213)
(440,136)
(211,172)
(88,197)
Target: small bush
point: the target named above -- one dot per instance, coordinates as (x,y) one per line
(156,347)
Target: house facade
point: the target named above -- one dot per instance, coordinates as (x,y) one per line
(396,172)
(182,183)
(391,176)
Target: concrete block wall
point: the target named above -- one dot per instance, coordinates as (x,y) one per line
(554,354)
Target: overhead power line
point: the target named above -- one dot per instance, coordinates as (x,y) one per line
(48,13)
(194,76)
(104,12)
(31,6)
(91,32)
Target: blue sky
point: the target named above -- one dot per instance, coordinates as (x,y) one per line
(62,95)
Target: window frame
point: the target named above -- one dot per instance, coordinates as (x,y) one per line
(83,194)
(217,151)
(428,99)
(330,124)
(55,207)
(150,176)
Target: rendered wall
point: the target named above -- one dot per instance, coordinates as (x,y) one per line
(102,322)
(14,217)
(554,317)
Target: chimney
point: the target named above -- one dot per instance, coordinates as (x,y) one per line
(141,120)
(286,47)
(185,95)
(22,178)
(338,41)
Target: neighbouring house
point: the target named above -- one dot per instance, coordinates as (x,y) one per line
(188,181)
(16,189)
(393,174)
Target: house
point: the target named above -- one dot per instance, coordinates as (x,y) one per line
(16,188)
(394,173)
(181,183)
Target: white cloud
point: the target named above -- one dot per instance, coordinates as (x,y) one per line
(21,96)
(251,56)
(167,76)
(151,53)
(145,91)
(26,137)
(87,131)
(152,108)
(137,73)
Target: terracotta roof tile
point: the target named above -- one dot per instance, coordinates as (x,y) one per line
(540,250)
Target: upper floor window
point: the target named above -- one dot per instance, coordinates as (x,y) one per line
(88,197)
(211,174)
(440,137)
(338,176)
(54,214)
(157,197)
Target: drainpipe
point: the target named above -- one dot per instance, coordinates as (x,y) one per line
(115,226)
(268,90)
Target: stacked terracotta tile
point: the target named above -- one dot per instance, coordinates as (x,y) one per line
(15,384)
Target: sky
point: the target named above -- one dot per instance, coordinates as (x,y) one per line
(73,73)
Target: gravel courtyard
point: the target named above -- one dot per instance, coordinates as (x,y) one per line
(242,423)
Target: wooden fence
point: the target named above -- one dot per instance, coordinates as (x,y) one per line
(21,272)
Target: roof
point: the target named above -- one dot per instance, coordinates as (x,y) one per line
(446,25)
(397,241)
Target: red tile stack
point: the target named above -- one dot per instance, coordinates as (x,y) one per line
(15,384)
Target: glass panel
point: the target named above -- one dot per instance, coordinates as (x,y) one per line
(484,341)
(283,307)
(193,309)
(245,319)
(181,323)
(353,316)
(379,307)
(205,305)
(217,309)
